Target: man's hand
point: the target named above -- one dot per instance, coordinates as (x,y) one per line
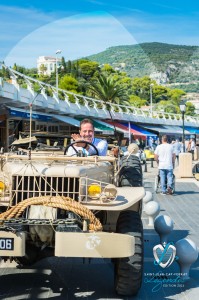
(77,137)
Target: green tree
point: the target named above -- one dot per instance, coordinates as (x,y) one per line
(88,68)
(69,83)
(167,107)
(107,68)
(4,73)
(69,67)
(124,81)
(159,93)
(63,65)
(175,95)
(190,109)
(141,87)
(107,89)
(137,101)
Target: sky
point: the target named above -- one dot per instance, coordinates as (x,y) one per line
(29,29)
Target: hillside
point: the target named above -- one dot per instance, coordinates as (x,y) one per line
(165,63)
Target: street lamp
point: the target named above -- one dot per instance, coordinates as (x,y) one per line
(57,52)
(183,109)
(151,100)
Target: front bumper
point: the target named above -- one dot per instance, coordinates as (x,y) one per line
(74,244)
(96,244)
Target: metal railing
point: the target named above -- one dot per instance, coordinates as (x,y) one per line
(89,103)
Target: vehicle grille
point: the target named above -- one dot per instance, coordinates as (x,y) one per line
(24,187)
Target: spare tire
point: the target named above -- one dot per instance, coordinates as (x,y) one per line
(131,171)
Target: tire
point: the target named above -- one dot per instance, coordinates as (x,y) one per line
(30,256)
(131,172)
(128,270)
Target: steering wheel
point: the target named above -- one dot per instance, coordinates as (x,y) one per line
(78,142)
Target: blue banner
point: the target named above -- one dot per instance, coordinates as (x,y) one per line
(26,115)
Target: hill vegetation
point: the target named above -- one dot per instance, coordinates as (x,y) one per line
(126,75)
(164,63)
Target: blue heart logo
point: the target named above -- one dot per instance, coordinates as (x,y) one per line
(164,256)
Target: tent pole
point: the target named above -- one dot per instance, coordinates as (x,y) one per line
(129,125)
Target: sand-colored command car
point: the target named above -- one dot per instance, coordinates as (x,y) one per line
(55,205)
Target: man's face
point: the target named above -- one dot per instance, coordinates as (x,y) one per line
(87,132)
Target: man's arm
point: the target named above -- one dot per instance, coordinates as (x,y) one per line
(156,157)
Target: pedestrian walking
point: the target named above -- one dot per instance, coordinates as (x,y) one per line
(187,143)
(191,147)
(165,157)
(177,149)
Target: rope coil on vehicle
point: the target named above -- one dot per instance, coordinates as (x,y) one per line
(65,203)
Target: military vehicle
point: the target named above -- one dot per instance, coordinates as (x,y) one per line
(89,207)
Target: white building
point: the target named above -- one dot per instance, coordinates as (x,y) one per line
(49,63)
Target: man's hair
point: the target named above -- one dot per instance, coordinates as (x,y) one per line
(164,138)
(84,121)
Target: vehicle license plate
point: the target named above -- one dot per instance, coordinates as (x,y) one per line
(6,243)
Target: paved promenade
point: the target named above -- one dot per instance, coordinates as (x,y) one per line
(183,208)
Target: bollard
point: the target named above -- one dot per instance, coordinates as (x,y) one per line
(148,197)
(152,209)
(187,253)
(151,162)
(145,167)
(163,225)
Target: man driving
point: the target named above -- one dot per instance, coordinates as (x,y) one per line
(86,133)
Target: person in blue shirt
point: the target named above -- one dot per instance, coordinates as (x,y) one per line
(86,133)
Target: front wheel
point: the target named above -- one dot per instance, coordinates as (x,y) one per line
(128,270)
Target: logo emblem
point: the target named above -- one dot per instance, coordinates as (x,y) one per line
(93,242)
(164,255)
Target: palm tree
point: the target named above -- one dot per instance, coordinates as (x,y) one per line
(108,89)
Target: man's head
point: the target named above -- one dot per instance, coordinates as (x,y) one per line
(133,148)
(164,139)
(87,130)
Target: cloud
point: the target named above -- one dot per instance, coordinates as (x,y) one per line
(77,36)
(16,22)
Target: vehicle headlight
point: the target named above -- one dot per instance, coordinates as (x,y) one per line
(2,187)
(94,190)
